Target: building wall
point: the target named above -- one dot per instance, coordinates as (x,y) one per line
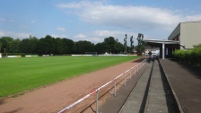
(190,34)
(175,33)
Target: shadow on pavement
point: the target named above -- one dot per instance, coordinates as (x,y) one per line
(195,71)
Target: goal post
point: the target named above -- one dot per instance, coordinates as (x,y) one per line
(91,53)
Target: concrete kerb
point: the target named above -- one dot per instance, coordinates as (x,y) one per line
(137,68)
(173,92)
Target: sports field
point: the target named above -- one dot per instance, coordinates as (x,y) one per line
(21,74)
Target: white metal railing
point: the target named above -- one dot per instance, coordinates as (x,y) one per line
(134,69)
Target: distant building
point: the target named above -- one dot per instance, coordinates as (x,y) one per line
(184,36)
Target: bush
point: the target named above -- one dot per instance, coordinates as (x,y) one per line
(192,56)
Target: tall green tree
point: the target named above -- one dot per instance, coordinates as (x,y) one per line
(112,45)
(100,48)
(6,42)
(0,46)
(110,42)
(119,48)
(15,45)
(68,46)
(58,46)
(46,45)
(84,46)
(29,45)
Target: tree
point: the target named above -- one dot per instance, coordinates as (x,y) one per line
(84,46)
(100,47)
(58,46)
(6,41)
(110,42)
(68,46)
(14,46)
(29,45)
(46,45)
(141,43)
(112,45)
(0,46)
(132,46)
(119,48)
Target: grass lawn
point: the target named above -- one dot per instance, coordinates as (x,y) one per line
(21,74)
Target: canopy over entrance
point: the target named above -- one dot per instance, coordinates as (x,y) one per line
(166,46)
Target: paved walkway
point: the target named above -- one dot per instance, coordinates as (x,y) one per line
(135,100)
(185,81)
(159,98)
(151,94)
(172,87)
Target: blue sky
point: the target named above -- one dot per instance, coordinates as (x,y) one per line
(94,20)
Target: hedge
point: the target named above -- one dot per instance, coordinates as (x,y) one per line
(192,56)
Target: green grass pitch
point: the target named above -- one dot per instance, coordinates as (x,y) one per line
(21,74)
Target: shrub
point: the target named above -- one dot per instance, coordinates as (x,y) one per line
(192,56)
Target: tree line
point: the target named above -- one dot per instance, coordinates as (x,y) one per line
(58,46)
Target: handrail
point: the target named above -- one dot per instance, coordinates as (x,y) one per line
(106,84)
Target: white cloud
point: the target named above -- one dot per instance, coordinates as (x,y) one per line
(14,35)
(80,36)
(70,5)
(193,18)
(107,33)
(132,17)
(21,35)
(61,29)
(153,22)
(99,35)
(60,36)
(88,37)
(75,5)
(2,33)
(120,35)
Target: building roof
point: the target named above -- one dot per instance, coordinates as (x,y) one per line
(161,41)
(176,31)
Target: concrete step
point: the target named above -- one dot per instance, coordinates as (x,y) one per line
(135,99)
(152,93)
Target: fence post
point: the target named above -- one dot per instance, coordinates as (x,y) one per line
(131,73)
(97,101)
(115,91)
(124,79)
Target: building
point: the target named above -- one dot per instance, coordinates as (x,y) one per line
(187,33)
(184,36)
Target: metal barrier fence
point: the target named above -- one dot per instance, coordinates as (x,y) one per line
(132,71)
